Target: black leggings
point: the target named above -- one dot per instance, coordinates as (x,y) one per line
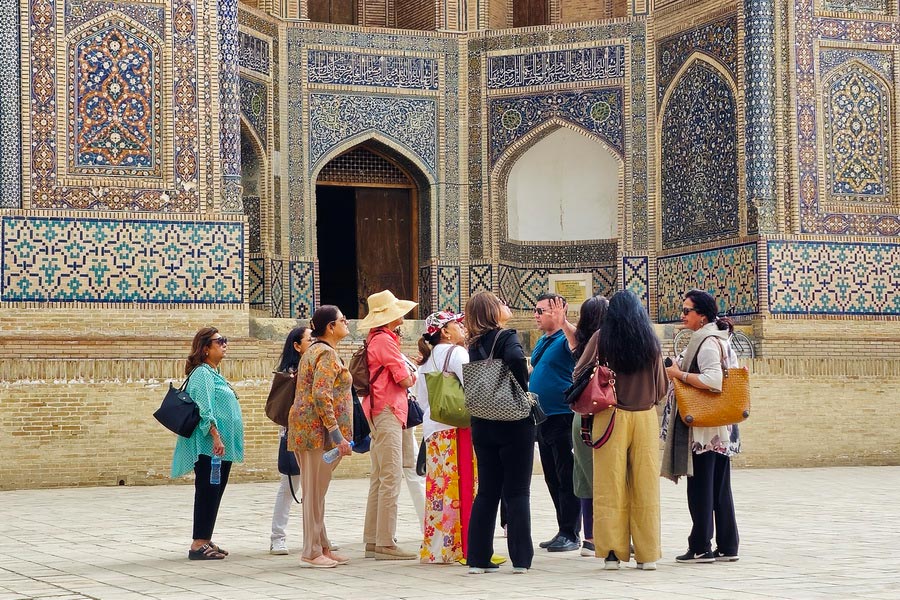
(207,497)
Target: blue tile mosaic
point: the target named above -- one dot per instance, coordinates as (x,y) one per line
(601,63)
(699,191)
(57,260)
(303,286)
(334,118)
(256,282)
(10,117)
(521,286)
(254,107)
(759,94)
(730,274)
(825,278)
(151,16)
(229,105)
(253,53)
(378,70)
(717,39)
(449,287)
(481,279)
(426,297)
(636,277)
(598,111)
(277,285)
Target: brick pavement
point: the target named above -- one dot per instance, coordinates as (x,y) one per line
(806,533)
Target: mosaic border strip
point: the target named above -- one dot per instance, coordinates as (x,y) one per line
(828,278)
(520,286)
(730,273)
(92,260)
(328,67)
(636,277)
(550,67)
(229,105)
(449,287)
(10,115)
(303,285)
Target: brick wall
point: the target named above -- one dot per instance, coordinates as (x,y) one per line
(572,11)
(415,14)
(499,14)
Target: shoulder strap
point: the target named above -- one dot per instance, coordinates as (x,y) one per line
(447,359)
(535,359)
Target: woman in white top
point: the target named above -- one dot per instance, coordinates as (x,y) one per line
(709,449)
(450,460)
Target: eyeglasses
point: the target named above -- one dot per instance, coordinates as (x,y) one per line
(539,311)
(222,341)
(686,311)
(343,320)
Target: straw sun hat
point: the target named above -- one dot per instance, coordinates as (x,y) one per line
(384,308)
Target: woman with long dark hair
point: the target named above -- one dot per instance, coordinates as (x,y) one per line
(626,467)
(296,343)
(504,449)
(219,433)
(587,334)
(706,451)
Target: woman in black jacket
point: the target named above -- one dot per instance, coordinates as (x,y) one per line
(504,449)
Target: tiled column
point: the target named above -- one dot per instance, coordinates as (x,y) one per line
(759,45)
(10,123)
(229,99)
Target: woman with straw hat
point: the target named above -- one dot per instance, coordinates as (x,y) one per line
(386,409)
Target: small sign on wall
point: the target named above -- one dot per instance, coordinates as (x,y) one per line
(574,287)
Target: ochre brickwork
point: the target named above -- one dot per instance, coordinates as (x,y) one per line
(415,14)
(572,11)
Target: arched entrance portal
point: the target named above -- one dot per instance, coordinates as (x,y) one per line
(366,228)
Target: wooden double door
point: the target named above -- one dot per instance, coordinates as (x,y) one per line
(365,244)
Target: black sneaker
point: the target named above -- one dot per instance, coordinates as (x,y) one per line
(691,557)
(548,542)
(725,556)
(563,544)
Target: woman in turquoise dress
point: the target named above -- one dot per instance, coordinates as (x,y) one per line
(220,433)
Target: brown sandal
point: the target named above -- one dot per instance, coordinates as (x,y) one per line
(218,548)
(205,552)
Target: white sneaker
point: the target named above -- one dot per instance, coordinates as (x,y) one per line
(519,570)
(278,548)
(647,566)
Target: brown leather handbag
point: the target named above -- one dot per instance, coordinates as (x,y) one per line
(707,408)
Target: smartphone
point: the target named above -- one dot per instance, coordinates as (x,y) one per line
(668,362)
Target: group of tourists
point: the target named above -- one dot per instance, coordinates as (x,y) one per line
(605,495)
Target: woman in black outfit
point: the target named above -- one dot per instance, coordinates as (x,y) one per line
(504,449)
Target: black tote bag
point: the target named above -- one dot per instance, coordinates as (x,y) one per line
(178,413)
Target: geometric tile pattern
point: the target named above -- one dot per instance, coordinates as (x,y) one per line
(256,280)
(355,68)
(410,121)
(152,17)
(277,283)
(426,301)
(816,215)
(729,274)
(566,253)
(253,53)
(599,111)
(252,211)
(759,105)
(699,195)
(636,277)
(717,39)
(833,278)
(303,301)
(47,125)
(857,135)
(521,286)
(480,279)
(449,292)
(229,103)
(559,66)
(254,107)
(114,110)
(49,259)
(10,98)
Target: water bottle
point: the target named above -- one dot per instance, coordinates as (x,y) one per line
(333,454)
(215,470)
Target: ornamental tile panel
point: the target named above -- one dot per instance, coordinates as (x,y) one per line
(255,108)
(449,290)
(303,286)
(229,103)
(378,70)
(729,274)
(114,104)
(717,39)
(55,260)
(760,156)
(521,286)
(636,277)
(699,195)
(251,205)
(151,16)
(335,118)
(254,53)
(256,282)
(824,278)
(597,111)
(481,279)
(277,283)
(10,116)
(554,67)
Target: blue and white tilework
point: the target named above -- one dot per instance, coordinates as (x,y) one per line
(372,70)
(449,287)
(10,124)
(426,300)
(151,16)
(334,118)
(276,272)
(729,274)
(542,68)
(229,105)
(759,98)
(480,279)
(303,285)
(252,207)
(636,277)
(253,53)
(521,286)
(825,278)
(598,111)
(256,282)
(717,40)
(56,260)
(255,108)
(699,176)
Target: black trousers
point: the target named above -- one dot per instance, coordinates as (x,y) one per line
(557,460)
(207,497)
(709,499)
(505,453)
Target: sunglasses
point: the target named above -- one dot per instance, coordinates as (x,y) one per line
(539,311)
(686,311)
(222,341)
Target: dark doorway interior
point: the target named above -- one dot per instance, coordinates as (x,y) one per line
(336,235)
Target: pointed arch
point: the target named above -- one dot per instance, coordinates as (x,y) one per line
(700,172)
(403,151)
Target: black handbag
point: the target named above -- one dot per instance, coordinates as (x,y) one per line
(361,430)
(287,464)
(414,413)
(178,412)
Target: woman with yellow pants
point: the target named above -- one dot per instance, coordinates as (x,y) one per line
(626,467)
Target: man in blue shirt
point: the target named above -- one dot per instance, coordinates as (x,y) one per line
(552,364)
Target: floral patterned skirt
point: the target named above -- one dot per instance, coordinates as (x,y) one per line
(450,480)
